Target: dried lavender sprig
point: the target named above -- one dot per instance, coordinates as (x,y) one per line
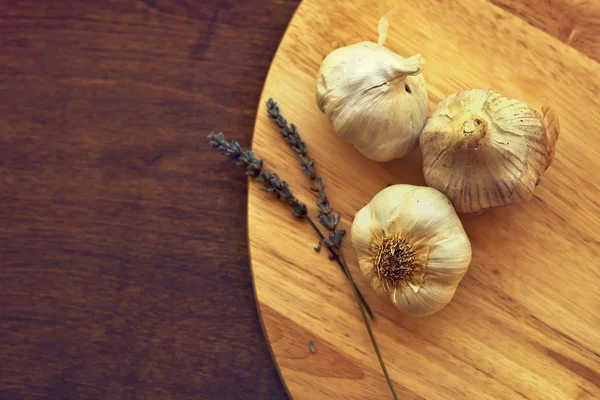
(254,168)
(327,218)
(292,137)
(273,184)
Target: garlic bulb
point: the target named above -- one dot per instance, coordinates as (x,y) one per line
(483,150)
(411,247)
(375,99)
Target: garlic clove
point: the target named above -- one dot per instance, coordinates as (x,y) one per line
(449,258)
(550,121)
(363,230)
(428,300)
(484,150)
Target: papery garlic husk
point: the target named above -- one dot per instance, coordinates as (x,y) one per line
(375,99)
(484,150)
(411,247)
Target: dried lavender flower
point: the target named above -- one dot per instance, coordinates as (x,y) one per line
(327,218)
(254,168)
(292,137)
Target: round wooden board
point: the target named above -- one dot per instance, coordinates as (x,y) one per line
(525,321)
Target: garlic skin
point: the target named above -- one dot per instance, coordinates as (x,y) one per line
(411,247)
(375,99)
(484,150)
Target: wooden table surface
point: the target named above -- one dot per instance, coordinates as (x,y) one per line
(123,251)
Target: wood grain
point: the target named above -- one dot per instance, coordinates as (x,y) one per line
(123,250)
(524,321)
(574,22)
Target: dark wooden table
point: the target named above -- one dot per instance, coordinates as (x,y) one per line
(123,255)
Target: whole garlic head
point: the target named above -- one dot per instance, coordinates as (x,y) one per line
(484,150)
(375,99)
(411,247)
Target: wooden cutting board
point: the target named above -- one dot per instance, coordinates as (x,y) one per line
(525,321)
